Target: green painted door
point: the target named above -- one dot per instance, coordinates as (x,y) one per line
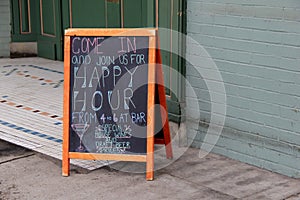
(43,21)
(49,38)
(134,14)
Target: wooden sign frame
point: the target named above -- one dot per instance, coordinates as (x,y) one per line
(153,77)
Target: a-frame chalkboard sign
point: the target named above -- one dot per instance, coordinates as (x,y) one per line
(111,81)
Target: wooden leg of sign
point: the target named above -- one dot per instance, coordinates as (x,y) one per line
(150,167)
(150,110)
(166,127)
(65,150)
(66,132)
(66,166)
(163,103)
(66,119)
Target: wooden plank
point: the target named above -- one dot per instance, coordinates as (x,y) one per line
(119,157)
(66,120)
(110,32)
(150,117)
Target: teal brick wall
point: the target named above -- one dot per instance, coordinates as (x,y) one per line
(256,46)
(4,28)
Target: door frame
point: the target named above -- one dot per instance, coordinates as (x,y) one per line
(176,102)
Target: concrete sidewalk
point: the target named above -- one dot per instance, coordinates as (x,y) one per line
(31,110)
(28,175)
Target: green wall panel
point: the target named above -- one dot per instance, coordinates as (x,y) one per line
(49,17)
(88,13)
(25,26)
(113,14)
(24,20)
(135,13)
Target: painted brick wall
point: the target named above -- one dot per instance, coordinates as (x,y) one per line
(4,28)
(256,47)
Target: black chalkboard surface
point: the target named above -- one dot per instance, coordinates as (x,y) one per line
(108,94)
